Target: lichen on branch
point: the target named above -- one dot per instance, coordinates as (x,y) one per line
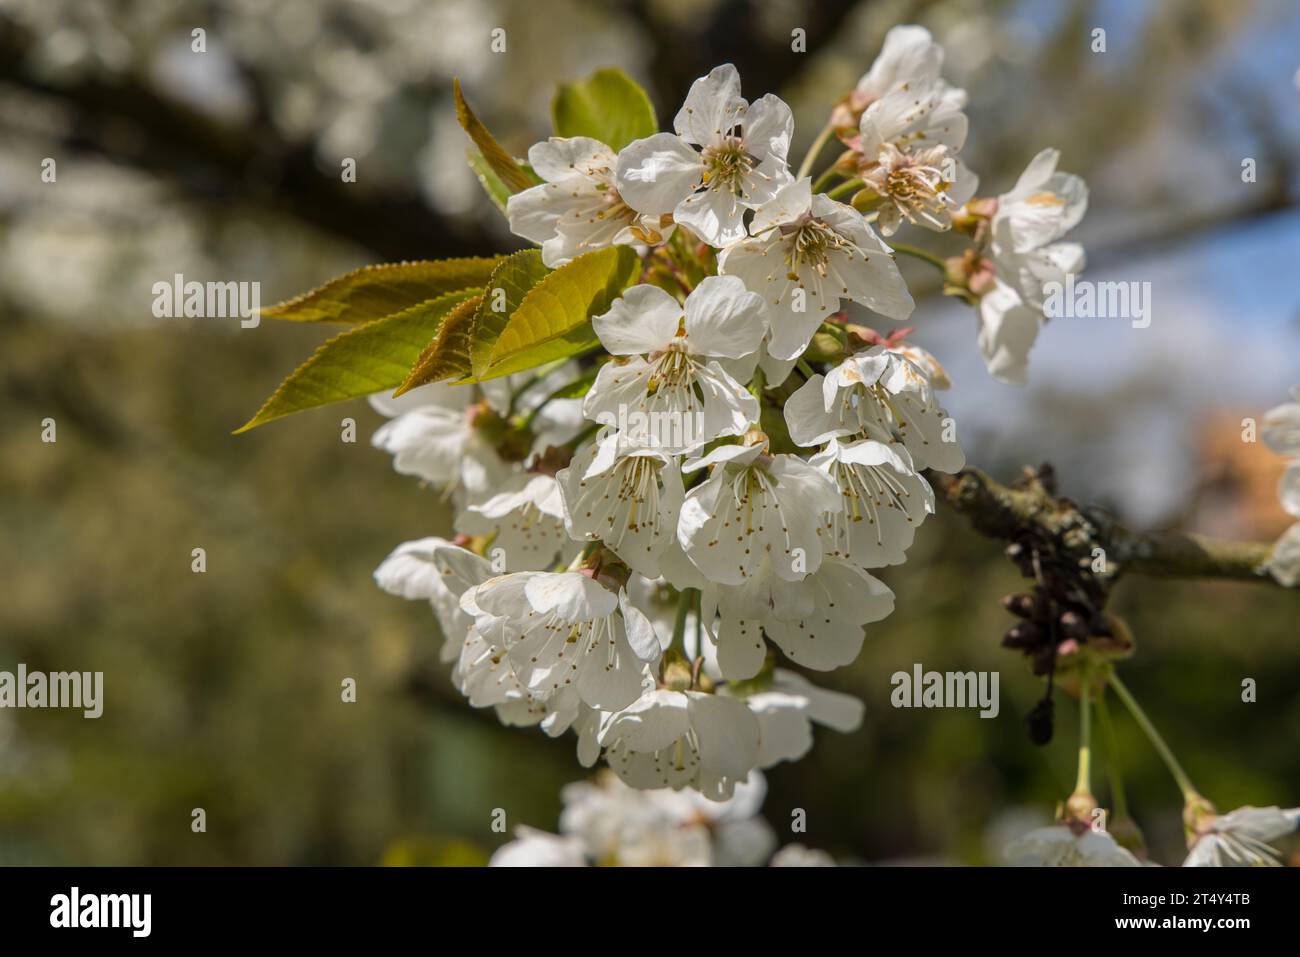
(1031,504)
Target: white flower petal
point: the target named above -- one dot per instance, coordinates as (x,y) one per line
(643,320)
(724,319)
(657,172)
(712,106)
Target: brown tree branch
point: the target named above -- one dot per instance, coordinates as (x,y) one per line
(1001,511)
(234,162)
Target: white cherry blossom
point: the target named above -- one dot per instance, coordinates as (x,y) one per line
(578,208)
(797,855)
(884,501)
(807,254)
(442,572)
(438,571)
(564,631)
(909,56)
(816,620)
(680,739)
(534,848)
(1284,559)
(431,434)
(754,506)
(790,707)
(1241,838)
(679,387)
(486,675)
(629,499)
(923,187)
(910,127)
(605,823)
(628,827)
(527,519)
(1069,845)
(1281,430)
(1025,256)
(880,394)
(725,156)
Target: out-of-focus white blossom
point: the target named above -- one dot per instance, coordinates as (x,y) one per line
(1281,430)
(1025,255)
(1069,845)
(606,823)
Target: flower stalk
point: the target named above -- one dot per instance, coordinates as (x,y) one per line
(1190,794)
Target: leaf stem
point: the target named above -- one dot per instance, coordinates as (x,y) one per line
(814,151)
(1113,772)
(831,172)
(1175,769)
(679,623)
(917,253)
(1083,781)
(851,186)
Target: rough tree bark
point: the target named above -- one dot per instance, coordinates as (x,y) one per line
(1001,511)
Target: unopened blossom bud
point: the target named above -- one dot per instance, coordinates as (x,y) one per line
(825,347)
(847,112)
(866,200)
(973,218)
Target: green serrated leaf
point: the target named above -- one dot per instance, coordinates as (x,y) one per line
(554,319)
(448,354)
(370,358)
(514,277)
(373,292)
(608,106)
(512,176)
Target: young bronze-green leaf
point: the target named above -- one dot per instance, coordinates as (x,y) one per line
(554,319)
(447,356)
(372,292)
(513,176)
(369,358)
(608,106)
(490,181)
(502,294)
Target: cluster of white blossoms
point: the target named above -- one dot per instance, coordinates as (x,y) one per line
(1282,433)
(632,562)
(1240,838)
(605,823)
